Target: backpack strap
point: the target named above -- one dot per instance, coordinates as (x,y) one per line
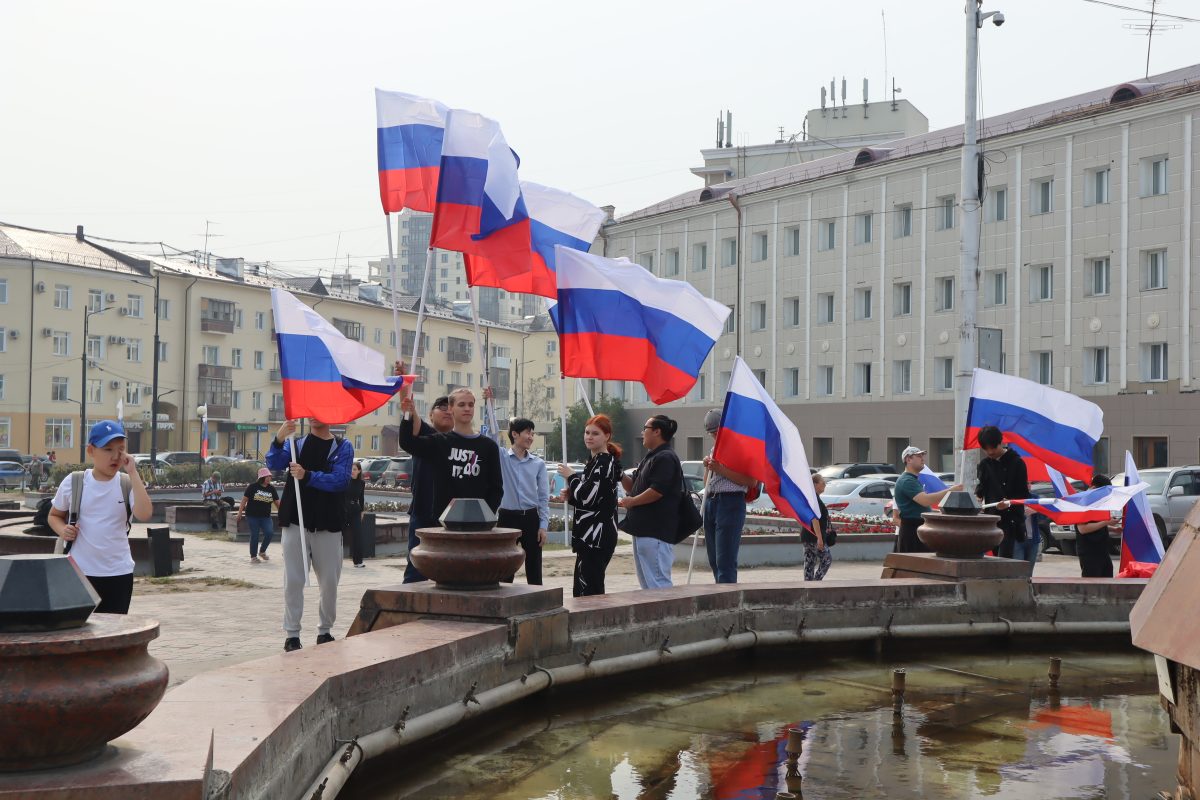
(126,488)
(76,496)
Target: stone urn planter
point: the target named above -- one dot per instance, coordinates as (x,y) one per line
(960,530)
(468,552)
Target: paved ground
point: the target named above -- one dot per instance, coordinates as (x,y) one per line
(210,617)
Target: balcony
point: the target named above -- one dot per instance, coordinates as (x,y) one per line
(501,362)
(458,351)
(349,329)
(274,377)
(212,371)
(210,325)
(218,412)
(275,415)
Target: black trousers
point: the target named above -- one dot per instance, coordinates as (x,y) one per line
(527,522)
(590,565)
(1092,548)
(907,541)
(115,593)
(354,530)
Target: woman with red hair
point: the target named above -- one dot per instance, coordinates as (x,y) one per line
(594,495)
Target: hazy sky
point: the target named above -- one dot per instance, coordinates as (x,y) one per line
(142,120)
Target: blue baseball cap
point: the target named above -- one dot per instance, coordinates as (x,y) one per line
(104,432)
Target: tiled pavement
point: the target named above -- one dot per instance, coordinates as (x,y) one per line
(209,627)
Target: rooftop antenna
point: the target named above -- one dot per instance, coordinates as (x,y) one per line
(207,235)
(781,135)
(883,17)
(895,91)
(1153,26)
(822,101)
(720,127)
(843,97)
(729,129)
(865,101)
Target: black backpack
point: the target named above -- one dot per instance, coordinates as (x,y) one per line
(41,517)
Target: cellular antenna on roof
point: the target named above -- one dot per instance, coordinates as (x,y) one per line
(822,101)
(720,127)
(729,129)
(895,91)
(865,101)
(843,97)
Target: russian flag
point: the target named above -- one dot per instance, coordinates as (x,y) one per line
(408,135)
(616,321)
(555,218)
(325,375)
(479,207)
(929,481)
(1057,428)
(758,440)
(1092,505)
(1140,541)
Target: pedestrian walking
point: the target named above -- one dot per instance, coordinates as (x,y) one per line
(354,497)
(593,494)
(652,504)
(257,501)
(912,501)
(817,543)
(525,504)
(724,509)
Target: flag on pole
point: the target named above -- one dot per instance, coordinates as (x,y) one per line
(618,322)
(325,375)
(204,437)
(758,440)
(1140,541)
(1057,428)
(929,481)
(1092,505)
(409,132)
(555,218)
(480,209)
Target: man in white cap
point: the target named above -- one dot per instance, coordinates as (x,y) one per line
(724,509)
(912,500)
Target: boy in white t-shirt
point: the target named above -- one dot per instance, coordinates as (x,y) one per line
(100,536)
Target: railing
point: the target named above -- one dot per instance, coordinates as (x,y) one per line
(213,371)
(218,412)
(275,415)
(208,325)
(273,376)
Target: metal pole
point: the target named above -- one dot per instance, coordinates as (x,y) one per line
(300,512)
(489,414)
(154,384)
(87,315)
(562,410)
(968,352)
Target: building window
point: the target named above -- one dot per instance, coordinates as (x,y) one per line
(1154,362)
(1154,269)
(700,256)
(903,226)
(95,390)
(1098,273)
(1041,196)
(235,358)
(62,296)
(134,306)
(1154,176)
(671,262)
(5,423)
(95,300)
(1095,365)
(1041,283)
(943,288)
(825,308)
(133,394)
(1095,187)
(258,359)
(791,236)
(863,228)
(162,352)
(701,384)
(760,245)
(758,316)
(256,401)
(375,443)
(791,312)
(943,374)
(58,389)
(995,286)
(133,349)
(378,336)
(60,434)
(1042,364)
(61,343)
(164,308)
(211,355)
(3,340)
(862,378)
(902,377)
(862,303)
(825,381)
(944,220)
(729,252)
(822,450)
(901,299)
(731,320)
(260,320)
(998,204)
(94,347)
(3,290)
(826,234)
(791,382)
(760,375)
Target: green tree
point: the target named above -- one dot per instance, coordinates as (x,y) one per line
(577,416)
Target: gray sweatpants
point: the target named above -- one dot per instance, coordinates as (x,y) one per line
(325,550)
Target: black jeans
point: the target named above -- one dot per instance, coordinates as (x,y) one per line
(528,523)
(907,541)
(590,565)
(354,529)
(411,573)
(115,593)
(1092,548)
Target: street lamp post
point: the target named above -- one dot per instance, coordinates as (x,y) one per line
(154,382)
(83,357)
(202,413)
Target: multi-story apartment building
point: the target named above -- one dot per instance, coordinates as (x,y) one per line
(216,347)
(843,276)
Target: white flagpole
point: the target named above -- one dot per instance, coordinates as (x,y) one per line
(421,308)
(300,513)
(562,410)
(489,406)
(587,401)
(387,223)
(695,538)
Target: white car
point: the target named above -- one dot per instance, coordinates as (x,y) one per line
(857,496)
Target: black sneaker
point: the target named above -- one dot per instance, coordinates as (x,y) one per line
(292,643)
(323,638)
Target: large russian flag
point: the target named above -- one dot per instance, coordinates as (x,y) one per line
(758,440)
(1092,505)
(408,137)
(616,321)
(325,375)
(1054,427)
(1139,538)
(479,207)
(555,218)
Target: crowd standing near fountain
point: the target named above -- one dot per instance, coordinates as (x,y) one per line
(1001,478)
(724,508)
(651,503)
(593,494)
(420,509)
(525,504)
(912,501)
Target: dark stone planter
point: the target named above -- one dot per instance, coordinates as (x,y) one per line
(960,536)
(468,559)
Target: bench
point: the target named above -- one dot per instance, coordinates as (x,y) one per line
(191,518)
(12,544)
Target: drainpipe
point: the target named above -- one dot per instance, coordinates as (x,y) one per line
(183,403)
(737,307)
(29,388)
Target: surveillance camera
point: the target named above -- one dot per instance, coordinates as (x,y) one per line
(998,19)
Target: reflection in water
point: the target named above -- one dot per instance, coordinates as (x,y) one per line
(974,726)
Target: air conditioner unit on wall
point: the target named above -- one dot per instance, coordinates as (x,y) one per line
(120,340)
(110,297)
(114,384)
(40,287)
(47,333)
(124,312)
(112,340)
(14,334)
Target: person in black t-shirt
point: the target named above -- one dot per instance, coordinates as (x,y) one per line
(652,504)
(1002,477)
(1091,541)
(256,508)
(420,510)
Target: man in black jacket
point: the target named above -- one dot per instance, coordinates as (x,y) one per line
(420,511)
(1002,477)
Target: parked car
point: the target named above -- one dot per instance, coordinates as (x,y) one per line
(143,460)
(178,458)
(557,482)
(857,496)
(398,474)
(12,473)
(13,455)
(890,477)
(215,460)
(694,469)
(1172,493)
(835,471)
(373,468)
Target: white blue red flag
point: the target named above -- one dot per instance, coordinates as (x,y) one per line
(1056,428)
(929,481)
(1139,540)
(555,218)
(408,136)
(325,375)
(616,321)
(1090,505)
(204,437)
(757,439)
(480,209)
